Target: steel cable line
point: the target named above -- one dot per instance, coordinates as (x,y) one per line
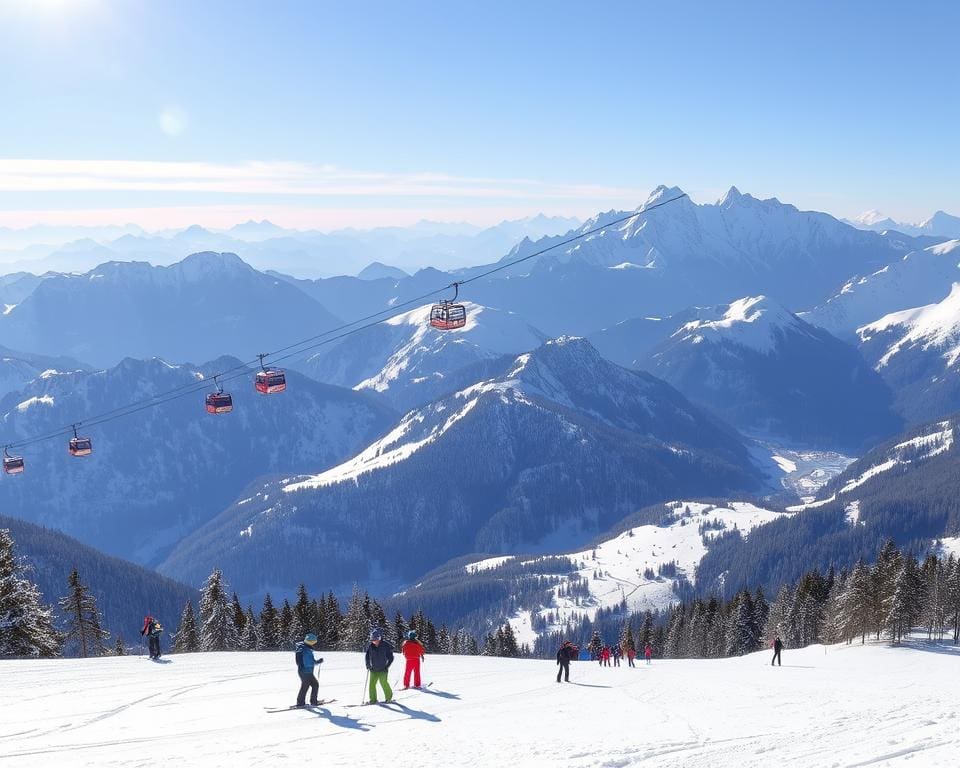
(311,342)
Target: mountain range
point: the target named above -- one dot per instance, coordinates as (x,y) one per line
(941,224)
(158,473)
(557,449)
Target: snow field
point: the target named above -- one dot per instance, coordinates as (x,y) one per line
(846,707)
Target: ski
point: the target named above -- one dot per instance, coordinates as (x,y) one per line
(273,710)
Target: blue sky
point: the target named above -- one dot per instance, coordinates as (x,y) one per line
(366,113)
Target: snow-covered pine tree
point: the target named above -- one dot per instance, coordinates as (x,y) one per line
(429,638)
(334,618)
(831,619)
(399,629)
(286,625)
(906,600)
(119,649)
(239,617)
(778,617)
(186,639)
(84,631)
(355,627)
(248,640)
(596,644)
(953,596)
(217,630)
(742,634)
(26,624)
(646,629)
(303,613)
(489,646)
(297,630)
(933,610)
(443,640)
(761,610)
(676,634)
(268,630)
(509,646)
(884,578)
(856,603)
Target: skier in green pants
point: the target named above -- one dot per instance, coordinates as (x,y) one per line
(379,658)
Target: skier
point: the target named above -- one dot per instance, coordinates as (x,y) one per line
(605,656)
(617,654)
(777,647)
(648,653)
(413,651)
(152,629)
(568,651)
(305,666)
(379,657)
(631,655)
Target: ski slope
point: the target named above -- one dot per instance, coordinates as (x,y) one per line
(840,707)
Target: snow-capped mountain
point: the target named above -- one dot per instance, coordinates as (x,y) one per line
(765,370)
(941,224)
(158,473)
(557,449)
(411,363)
(918,278)
(19,368)
(204,306)
(916,351)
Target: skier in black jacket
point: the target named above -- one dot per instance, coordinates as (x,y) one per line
(565,655)
(379,657)
(777,647)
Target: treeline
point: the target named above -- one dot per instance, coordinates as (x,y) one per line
(222,624)
(888,599)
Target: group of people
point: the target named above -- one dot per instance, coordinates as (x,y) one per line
(569,652)
(378,659)
(617,652)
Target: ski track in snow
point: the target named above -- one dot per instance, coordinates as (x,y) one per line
(839,707)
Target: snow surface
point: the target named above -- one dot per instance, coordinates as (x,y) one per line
(30,402)
(614,570)
(837,706)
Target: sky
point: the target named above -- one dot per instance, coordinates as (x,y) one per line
(380,113)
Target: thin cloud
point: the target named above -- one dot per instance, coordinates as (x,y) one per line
(281,178)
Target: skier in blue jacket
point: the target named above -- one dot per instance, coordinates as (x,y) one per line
(305,666)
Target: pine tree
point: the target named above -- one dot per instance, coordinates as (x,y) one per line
(239,617)
(508,642)
(646,629)
(355,627)
(778,617)
(185,640)
(217,630)
(595,645)
(742,634)
(905,602)
(249,638)
(856,603)
(304,619)
(443,640)
(268,638)
(334,621)
(286,624)
(84,630)
(399,629)
(119,649)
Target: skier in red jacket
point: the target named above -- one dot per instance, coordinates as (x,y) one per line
(413,651)
(605,656)
(648,652)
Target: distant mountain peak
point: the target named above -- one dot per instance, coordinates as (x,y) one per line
(756,322)
(732,196)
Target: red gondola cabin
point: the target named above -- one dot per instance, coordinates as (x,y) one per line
(448,316)
(12,465)
(219,402)
(81,446)
(270,380)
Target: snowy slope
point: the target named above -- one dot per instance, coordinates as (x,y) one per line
(617,570)
(835,706)
(411,363)
(918,278)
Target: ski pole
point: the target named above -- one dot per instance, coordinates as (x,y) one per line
(363,699)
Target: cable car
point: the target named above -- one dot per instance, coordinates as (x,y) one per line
(12,465)
(270,380)
(80,446)
(448,315)
(219,401)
